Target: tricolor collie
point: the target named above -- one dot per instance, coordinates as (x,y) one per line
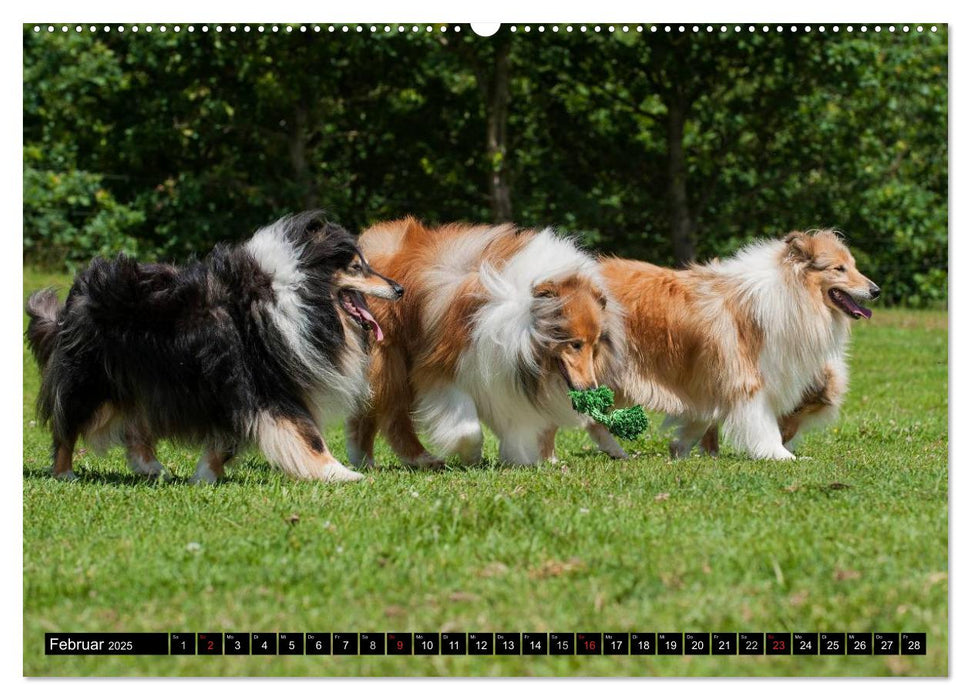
(498,325)
(257,344)
(756,343)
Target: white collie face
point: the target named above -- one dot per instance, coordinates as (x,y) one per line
(832,271)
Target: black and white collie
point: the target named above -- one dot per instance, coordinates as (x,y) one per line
(257,344)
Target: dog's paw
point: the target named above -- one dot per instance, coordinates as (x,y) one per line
(204,473)
(617,452)
(66,476)
(358,457)
(678,449)
(150,469)
(426,460)
(345,474)
(336,472)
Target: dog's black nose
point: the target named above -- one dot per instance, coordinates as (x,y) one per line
(398,289)
(874,291)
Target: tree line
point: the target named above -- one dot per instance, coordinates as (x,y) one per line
(666,146)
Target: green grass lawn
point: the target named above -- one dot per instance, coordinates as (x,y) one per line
(852,537)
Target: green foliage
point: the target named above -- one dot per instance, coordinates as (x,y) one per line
(625,423)
(197,138)
(70,216)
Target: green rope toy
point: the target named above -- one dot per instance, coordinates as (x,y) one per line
(625,423)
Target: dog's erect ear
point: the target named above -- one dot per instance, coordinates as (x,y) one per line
(545,290)
(800,245)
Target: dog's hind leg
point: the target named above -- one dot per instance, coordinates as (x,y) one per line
(605,441)
(142,459)
(399,428)
(753,426)
(689,433)
(211,466)
(294,444)
(140,451)
(709,441)
(359,432)
(63,455)
(393,402)
(77,416)
(450,416)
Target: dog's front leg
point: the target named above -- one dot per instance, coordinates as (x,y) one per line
(521,447)
(547,445)
(820,403)
(359,432)
(605,441)
(753,426)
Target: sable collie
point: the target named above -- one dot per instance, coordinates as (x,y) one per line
(756,342)
(257,344)
(498,325)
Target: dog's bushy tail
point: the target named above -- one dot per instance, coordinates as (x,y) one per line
(43,309)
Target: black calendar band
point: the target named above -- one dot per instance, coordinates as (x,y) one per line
(485,643)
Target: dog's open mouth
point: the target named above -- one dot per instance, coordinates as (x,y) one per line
(848,305)
(353,303)
(561,365)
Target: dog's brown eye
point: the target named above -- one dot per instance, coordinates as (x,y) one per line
(841,268)
(576,345)
(356,267)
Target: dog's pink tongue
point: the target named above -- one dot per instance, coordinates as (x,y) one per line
(858,309)
(371,321)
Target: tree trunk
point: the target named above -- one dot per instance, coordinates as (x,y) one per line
(682,223)
(497,116)
(298,159)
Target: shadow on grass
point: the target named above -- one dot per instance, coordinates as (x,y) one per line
(87,476)
(242,472)
(250,470)
(564,456)
(451,467)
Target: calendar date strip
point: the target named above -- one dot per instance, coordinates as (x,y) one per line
(486,643)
